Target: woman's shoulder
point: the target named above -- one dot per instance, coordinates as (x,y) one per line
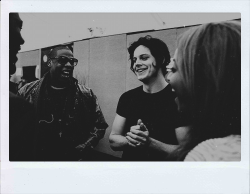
(218,149)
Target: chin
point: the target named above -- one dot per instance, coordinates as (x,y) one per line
(180,106)
(142,78)
(65,80)
(183,109)
(180,110)
(12,68)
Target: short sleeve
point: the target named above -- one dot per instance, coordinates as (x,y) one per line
(123,105)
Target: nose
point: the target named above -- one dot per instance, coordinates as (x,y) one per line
(21,40)
(137,63)
(167,77)
(68,65)
(17,40)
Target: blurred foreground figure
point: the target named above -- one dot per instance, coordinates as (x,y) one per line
(21,113)
(206,77)
(70,121)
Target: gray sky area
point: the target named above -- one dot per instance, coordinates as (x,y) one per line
(47,29)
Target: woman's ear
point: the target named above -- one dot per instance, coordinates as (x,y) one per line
(163,61)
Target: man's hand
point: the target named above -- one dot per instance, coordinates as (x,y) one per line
(138,135)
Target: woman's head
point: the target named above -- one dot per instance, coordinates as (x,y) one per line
(207,75)
(156,48)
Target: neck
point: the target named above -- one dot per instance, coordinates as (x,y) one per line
(56,88)
(58,85)
(155,84)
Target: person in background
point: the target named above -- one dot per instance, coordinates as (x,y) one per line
(28,76)
(206,77)
(146,120)
(70,120)
(21,113)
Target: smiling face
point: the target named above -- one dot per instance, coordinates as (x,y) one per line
(144,64)
(61,73)
(15,40)
(176,80)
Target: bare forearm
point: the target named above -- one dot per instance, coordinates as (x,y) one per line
(161,147)
(118,142)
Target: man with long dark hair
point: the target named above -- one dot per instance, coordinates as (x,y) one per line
(145,124)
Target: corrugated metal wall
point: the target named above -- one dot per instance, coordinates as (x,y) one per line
(107,77)
(29,58)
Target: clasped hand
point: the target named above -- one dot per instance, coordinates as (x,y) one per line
(138,135)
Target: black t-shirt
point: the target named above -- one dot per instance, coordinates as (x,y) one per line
(58,101)
(158,111)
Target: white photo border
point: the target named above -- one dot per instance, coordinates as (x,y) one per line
(125,177)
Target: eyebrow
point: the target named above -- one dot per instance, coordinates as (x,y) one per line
(142,55)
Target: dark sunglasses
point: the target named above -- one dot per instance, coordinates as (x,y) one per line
(64,60)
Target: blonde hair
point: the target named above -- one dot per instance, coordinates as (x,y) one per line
(209,59)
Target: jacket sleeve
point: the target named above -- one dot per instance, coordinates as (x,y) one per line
(27,91)
(21,92)
(98,130)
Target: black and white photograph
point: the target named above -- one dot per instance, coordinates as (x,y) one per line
(155,95)
(93,89)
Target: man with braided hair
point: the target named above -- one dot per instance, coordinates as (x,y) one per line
(69,118)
